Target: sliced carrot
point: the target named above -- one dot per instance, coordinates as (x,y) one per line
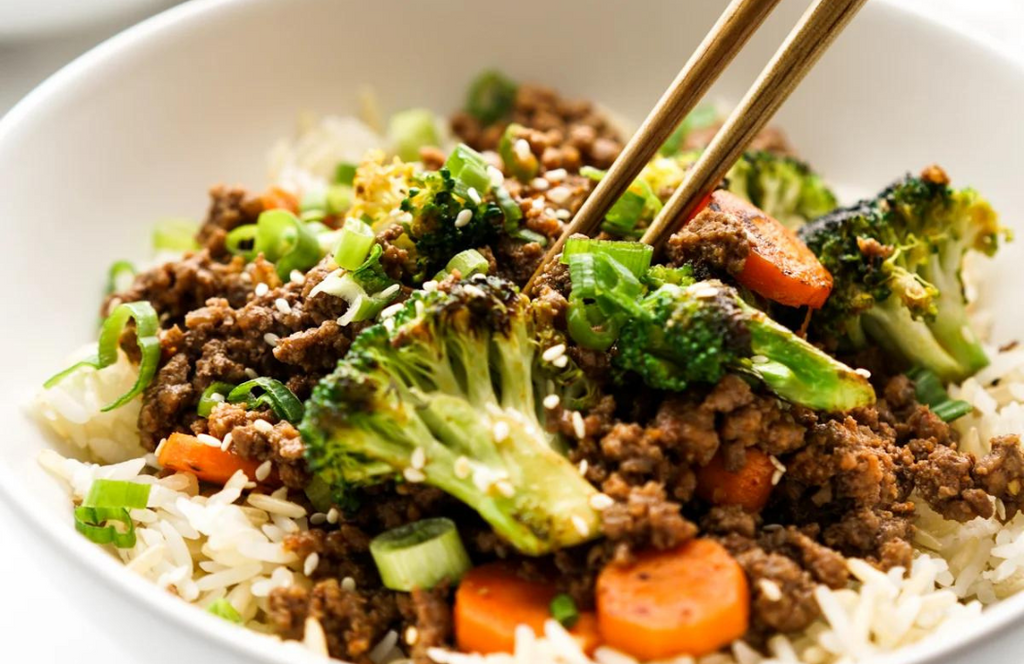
(186,453)
(691,600)
(278,198)
(779,267)
(749,487)
(492,600)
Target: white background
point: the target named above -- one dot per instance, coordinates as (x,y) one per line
(41,621)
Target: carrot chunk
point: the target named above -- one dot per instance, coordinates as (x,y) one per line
(278,198)
(749,487)
(779,267)
(182,452)
(492,601)
(691,600)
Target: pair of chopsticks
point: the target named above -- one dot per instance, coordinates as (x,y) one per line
(815,32)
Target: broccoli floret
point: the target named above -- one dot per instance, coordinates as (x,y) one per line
(697,333)
(448,392)
(784,187)
(895,262)
(446,220)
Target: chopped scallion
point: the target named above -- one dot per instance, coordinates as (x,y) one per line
(411,130)
(467,166)
(491,97)
(345,173)
(319,494)
(356,240)
(282,239)
(175,234)
(526,235)
(217,392)
(146,328)
(929,391)
(468,263)
(313,200)
(339,198)
(523,165)
(272,393)
(634,256)
(420,555)
(117,493)
(120,277)
(107,504)
(513,213)
(623,216)
(563,609)
(222,608)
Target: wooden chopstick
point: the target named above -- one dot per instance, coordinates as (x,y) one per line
(815,32)
(734,27)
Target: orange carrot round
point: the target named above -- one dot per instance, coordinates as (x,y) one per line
(185,453)
(492,600)
(779,266)
(278,198)
(749,487)
(691,600)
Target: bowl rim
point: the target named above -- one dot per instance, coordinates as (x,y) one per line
(105,569)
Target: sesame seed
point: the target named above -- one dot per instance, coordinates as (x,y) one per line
(217,396)
(413,475)
(580,525)
(553,353)
(388,312)
(540,184)
(578,425)
(584,466)
(556,174)
(317,518)
(250,373)
(563,215)
(282,305)
(333,515)
(522,149)
(463,218)
(780,469)
(474,195)
(227,442)
(263,470)
(500,431)
(263,426)
(412,635)
(271,339)
(261,289)
(561,361)
(313,637)
(474,291)
(703,291)
(462,468)
(207,439)
(559,195)
(497,177)
(537,204)
(759,359)
(419,458)
(429,286)
(505,488)
(405,218)
(551,401)
(771,590)
(296,277)
(312,560)
(348,583)
(862,372)
(156,452)
(601,501)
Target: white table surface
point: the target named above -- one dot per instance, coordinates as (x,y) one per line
(66,633)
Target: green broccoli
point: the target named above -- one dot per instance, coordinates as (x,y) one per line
(896,262)
(447,392)
(697,333)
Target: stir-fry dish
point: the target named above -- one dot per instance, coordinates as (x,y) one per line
(332,413)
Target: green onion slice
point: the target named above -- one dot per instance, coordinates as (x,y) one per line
(508,206)
(522,167)
(526,235)
(107,504)
(634,256)
(420,555)
(589,327)
(468,263)
(412,129)
(563,609)
(339,198)
(175,234)
(491,97)
(356,240)
(319,494)
(117,493)
(120,277)
(345,173)
(271,393)
(217,392)
(468,167)
(146,328)
(624,215)
(282,239)
(313,200)
(929,391)
(222,608)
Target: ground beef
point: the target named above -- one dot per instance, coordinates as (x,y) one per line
(713,243)
(566,134)
(230,207)
(429,616)
(277,441)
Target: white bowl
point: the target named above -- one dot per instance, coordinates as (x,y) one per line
(140,127)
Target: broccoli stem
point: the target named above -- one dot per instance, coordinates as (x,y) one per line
(891,325)
(951,326)
(799,372)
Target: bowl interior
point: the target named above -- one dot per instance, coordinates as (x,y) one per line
(140,128)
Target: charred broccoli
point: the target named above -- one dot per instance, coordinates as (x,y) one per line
(446,392)
(896,262)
